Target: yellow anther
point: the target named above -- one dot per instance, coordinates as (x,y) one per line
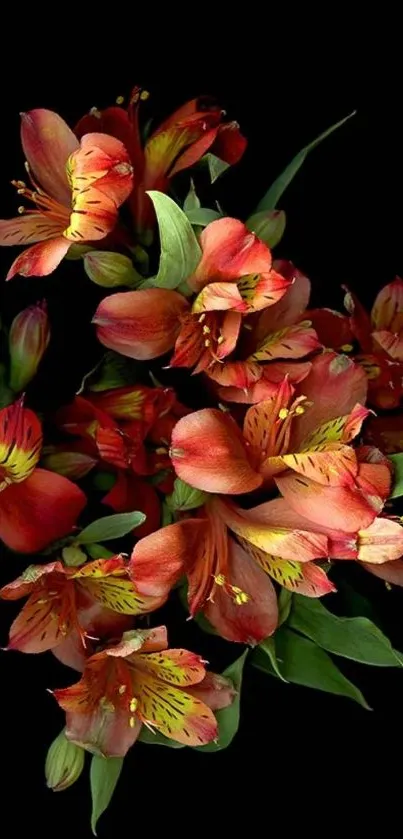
(206,330)
(133,705)
(346,347)
(122,689)
(94,112)
(21,210)
(26,166)
(202,317)
(221,339)
(42,601)
(19,184)
(161,450)
(119,100)
(144,95)
(283,413)
(300,409)
(241,599)
(219,580)
(207,342)
(132,722)
(236,589)
(388,586)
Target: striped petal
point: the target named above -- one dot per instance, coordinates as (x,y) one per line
(332,466)
(291,342)
(107,581)
(219,297)
(261,290)
(45,620)
(299,577)
(391,342)
(20,443)
(175,667)
(29,228)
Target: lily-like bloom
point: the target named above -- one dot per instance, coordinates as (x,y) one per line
(272,344)
(36,506)
(235,276)
(139,681)
(59,594)
(300,443)
(76,189)
(178,143)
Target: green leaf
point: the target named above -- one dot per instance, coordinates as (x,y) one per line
(184,497)
(228,718)
(180,251)
(397,461)
(215,165)
(203,216)
(304,663)
(113,370)
(157,739)
(284,605)
(104,775)
(191,202)
(268,225)
(272,196)
(110,270)
(355,638)
(110,527)
(96,551)
(268,646)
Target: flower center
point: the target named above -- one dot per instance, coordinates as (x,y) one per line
(43,203)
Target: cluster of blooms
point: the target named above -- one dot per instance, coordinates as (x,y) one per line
(238,503)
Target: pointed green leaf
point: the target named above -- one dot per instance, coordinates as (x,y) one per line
(268,225)
(202,216)
(268,646)
(112,371)
(284,605)
(272,196)
(104,775)
(355,638)
(191,202)
(228,718)
(215,165)
(157,739)
(397,461)
(180,251)
(110,527)
(304,663)
(184,497)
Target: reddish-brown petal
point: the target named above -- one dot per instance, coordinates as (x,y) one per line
(332,328)
(391,343)
(290,307)
(229,144)
(214,690)
(387,311)
(48,142)
(230,251)
(208,452)
(392,572)
(132,493)
(38,511)
(140,324)
(245,622)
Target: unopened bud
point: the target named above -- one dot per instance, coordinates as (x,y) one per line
(111,269)
(185,497)
(29,336)
(73,555)
(64,763)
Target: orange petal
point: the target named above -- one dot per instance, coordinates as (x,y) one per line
(175,667)
(38,511)
(290,307)
(218,297)
(24,229)
(208,452)
(101,162)
(335,465)
(230,251)
(387,311)
(41,259)
(20,443)
(48,142)
(381,542)
(159,560)
(290,342)
(140,324)
(261,290)
(299,577)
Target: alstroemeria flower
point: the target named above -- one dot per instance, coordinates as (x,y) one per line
(139,681)
(301,443)
(234,277)
(272,344)
(56,595)
(76,189)
(178,143)
(36,506)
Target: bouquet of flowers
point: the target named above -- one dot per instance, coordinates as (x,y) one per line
(229,451)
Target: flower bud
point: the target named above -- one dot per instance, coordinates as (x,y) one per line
(185,497)
(64,763)
(111,269)
(29,336)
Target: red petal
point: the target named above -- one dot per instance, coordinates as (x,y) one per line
(290,342)
(391,342)
(159,560)
(387,311)
(208,452)
(290,307)
(20,443)
(214,690)
(392,572)
(140,324)
(41,259)
(38,511)
(333,329)
(250,622)
(131,493)
(261,290)
(230,251)
(229,144)
(48,143)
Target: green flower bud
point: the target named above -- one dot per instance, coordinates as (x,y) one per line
(29,336)
(64,763)
(185,497)
(73,555)
(111,269)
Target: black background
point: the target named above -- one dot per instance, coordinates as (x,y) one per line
(299,753)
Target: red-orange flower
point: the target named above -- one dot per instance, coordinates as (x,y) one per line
(36,506)
(139,681)
(76,189)
(178,143)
